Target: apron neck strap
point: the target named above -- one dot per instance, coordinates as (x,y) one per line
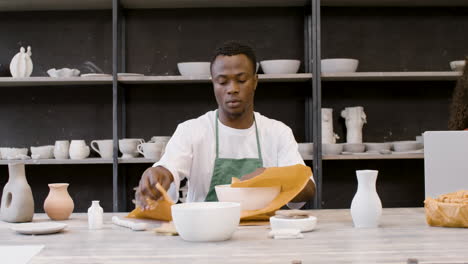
(256,134)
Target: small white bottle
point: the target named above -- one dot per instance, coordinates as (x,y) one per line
(95,216)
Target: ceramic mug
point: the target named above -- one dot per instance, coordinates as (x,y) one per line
(62,149)
(128,147)
(161,139)
(78,149)
(104,148)
(150,150)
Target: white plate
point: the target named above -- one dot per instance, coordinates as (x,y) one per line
(123,74)
(38,228)
(95,75)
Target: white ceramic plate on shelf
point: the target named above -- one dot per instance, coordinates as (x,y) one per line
(38,228)
(126,74)
(95,75)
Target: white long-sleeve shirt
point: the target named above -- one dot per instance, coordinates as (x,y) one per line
(191,151)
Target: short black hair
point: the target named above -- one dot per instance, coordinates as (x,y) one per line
(231,48)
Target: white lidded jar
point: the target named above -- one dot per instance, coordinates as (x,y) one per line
(95,216)
(366,207)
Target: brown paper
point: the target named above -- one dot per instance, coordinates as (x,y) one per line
(448,210)
(159,210)
(292,180)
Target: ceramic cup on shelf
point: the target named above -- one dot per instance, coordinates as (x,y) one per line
(161,139)
(151,150)
(79,149)
(42,152)
(128,147)
(62,149)
(103,147)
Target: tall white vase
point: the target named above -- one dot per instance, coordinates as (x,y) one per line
(366,207)
(355,120)
(17,197)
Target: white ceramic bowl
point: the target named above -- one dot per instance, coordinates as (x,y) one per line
(354,147)
(42,152)
(376,147)
(304,224)
(332,149)
(194,68)
(280,66)
(63,73)
(306,148)
(339,65)
(400,146)
(208,221)
(14,153)
(250,198)
(457,65)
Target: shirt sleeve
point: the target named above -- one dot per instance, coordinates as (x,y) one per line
(178,158)
(288,152)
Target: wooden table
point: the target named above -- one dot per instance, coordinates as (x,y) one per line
(403,234)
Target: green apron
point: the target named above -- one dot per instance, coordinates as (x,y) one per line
(225,169)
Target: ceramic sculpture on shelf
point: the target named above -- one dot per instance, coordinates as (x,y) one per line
(58,204)
(21,65)
(328,136)
(17,198)
(366,207)
(355,120)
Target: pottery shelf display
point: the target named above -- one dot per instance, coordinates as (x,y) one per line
(17,199)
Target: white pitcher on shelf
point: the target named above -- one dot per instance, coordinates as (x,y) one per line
(79,150)
(328,136)
(355,120)
(21,65)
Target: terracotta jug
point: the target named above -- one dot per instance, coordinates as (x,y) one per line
(17,198)
(58,205)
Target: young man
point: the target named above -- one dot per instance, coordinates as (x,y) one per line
(232,141)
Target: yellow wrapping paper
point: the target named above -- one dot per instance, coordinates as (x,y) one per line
(448,210)
(158,210)
(292,180)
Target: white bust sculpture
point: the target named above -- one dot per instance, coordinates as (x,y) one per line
(355,120)
(328,136)
(21,65)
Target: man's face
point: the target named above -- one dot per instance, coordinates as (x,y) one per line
(234,80)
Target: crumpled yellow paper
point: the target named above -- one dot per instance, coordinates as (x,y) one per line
(448,210)
(292,180)
(158,210)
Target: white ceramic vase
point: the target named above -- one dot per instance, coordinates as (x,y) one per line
(95,216)
(328,136)
(21,65)
(17,198)
(366,207)
(355,120)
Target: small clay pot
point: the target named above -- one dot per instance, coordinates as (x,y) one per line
(58,205)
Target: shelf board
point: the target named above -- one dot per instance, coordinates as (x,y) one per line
(58,161)
(374,156)
(393,3)
(392,76)
(49,81)
(144,4)
(178,79)
(136,160)
(45,5)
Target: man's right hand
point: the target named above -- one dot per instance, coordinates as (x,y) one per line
(147,187)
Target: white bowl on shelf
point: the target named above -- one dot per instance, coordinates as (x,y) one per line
(306,148)
(63,73)
(457,65)
(194,68)
(339,65)
(206,221)
(280,66)
(377,147)
(354,147)
(250,198)
(42,152)
(332,149)
(408,145)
